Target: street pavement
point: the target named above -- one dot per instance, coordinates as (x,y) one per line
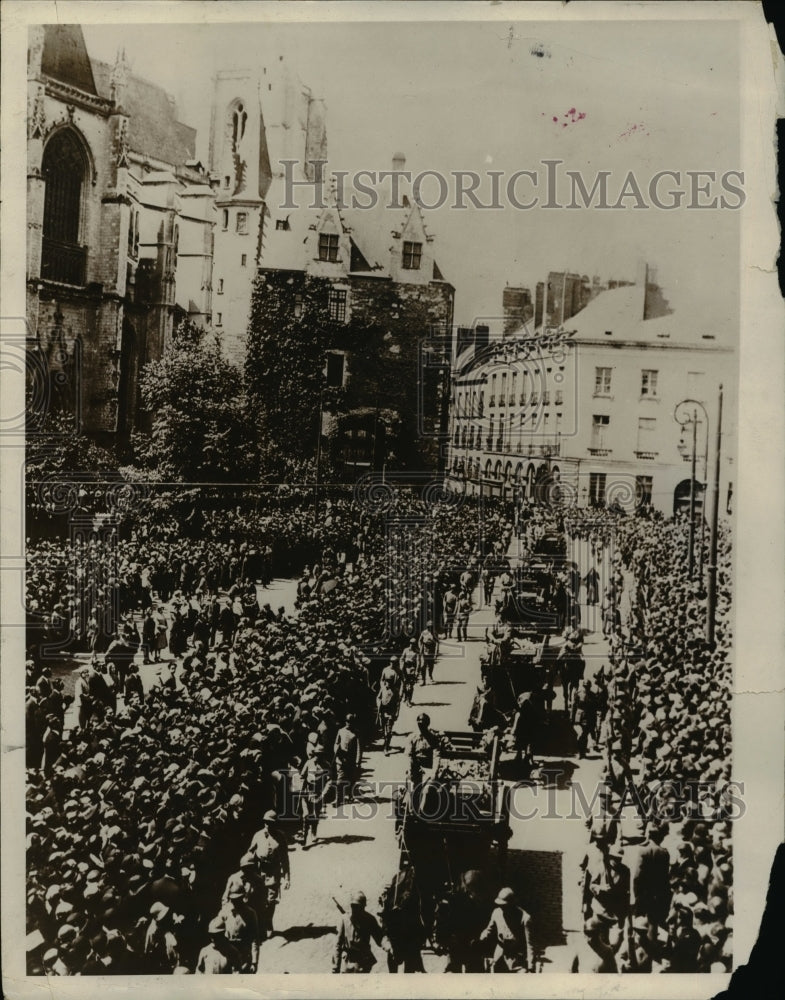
(357,848)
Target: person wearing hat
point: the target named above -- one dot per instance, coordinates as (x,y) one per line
(428,646)
(684,942)
(604,825)
(462,614)
(218,957)
(408,668)
(353,951)
(241,928)
(348,754)
(611,891)
(272,860)
(638,952)
(253,886)
(52,741)
(601,942)
(650,882)
(450,606)
(388,701)
(508,931)
(161,947)
(423,751)
(460,917)
(315,775)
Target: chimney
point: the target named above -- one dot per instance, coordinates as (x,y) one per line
(641,280)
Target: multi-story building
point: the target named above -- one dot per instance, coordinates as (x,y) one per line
(119,226)
(351,318)
(591,411)
(260,119)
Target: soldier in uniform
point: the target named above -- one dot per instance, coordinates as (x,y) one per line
(218,957)
(252,884)
(353,948)
(272,860)
(315,774)
(388,701)
(423,751)
(347,760)
(508,931)
(241,929)
(408,664)
(429,646)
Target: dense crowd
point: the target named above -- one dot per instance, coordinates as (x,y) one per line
(155,819)
(144,847)
(657,885)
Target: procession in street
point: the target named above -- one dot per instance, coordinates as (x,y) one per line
(373,590)
(283,794)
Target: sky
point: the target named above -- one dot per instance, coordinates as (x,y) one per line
(643,97)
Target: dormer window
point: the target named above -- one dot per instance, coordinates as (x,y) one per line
(328,247)
(282,225)
(412,254)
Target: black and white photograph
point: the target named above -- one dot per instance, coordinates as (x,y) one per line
(392,489)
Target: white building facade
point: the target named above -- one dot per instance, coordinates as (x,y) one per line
(597,413)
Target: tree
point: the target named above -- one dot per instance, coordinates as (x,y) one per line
(60,458)
(197,407)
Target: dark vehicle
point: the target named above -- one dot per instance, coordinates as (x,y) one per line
(457,819)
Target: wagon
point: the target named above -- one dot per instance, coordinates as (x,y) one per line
(457,820)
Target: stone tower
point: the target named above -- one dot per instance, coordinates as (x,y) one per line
(260,118)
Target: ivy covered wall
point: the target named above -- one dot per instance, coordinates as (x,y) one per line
(289,332)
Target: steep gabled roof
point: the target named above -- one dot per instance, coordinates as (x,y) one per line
(153,130)
(65,57)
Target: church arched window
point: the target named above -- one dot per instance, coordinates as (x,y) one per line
(239,118)
(65,169)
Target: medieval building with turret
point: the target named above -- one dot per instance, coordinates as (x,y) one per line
(120,220)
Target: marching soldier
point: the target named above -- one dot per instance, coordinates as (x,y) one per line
(507,930)
(272,859)
(388,701)
(347,760)
(408,664)
(423,751)
(353,948)
(429,647)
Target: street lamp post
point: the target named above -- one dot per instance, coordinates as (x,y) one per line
(711,609)
(318,452)
(683,417)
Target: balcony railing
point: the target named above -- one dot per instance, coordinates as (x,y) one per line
(489,443)
(649,455)
(499,443)
(63,262)
(600,452)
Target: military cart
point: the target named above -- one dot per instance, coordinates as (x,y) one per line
(458,818)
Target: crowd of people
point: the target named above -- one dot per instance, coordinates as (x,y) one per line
(657,883)
(144,847)
(156,818)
